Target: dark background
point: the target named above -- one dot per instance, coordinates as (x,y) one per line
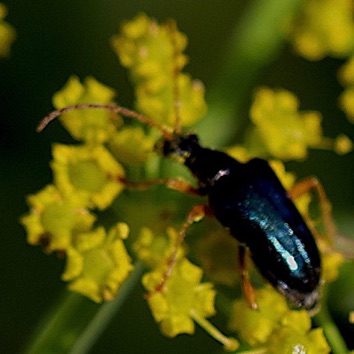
(56,39)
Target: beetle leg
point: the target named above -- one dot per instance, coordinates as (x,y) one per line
(177,184)
(197,213)
(247,287)
(312,183)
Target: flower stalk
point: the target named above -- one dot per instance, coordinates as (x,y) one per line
(76,323)
(331,331)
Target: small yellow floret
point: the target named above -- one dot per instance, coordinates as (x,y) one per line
(154,249)
(98,264)
(131,145)
(90,125)
(90,172)
(183,295)
(54,218)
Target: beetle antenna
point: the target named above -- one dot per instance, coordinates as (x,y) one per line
(166,132)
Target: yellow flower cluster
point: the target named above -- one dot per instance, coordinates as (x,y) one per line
(86,177)
(346,77)
(7,33)
(162,90)
(90,176)
(153,54)
(185,299)
(282,131)
(275,328)
(153,248)
(98,263)
(324,28)
(185,294)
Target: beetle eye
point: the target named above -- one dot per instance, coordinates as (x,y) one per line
(194,138)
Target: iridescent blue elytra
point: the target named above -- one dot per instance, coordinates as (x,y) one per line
(249,200)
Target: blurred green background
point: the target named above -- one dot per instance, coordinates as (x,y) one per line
(61,38)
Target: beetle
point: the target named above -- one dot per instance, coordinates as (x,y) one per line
(251,203)
(249,200)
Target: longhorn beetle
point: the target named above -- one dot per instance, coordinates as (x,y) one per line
(249,201)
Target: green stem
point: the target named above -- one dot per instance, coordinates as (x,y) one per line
(229,343)
(334,337)
(75,323)
(255,42)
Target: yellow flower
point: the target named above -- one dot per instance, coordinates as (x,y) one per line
(183,295)
(331,261)
(131,145)
(346,99)
(282,131)
(154,249)
(295,336)
(89,172)
(98,264)
(255,327)
(90,125)
(346,72)
(239,153)
(275,327)
(159,105)
(324,27)
(146,48)
(7,33)
(285,132)
(53,219)
(343,145)
(153,54)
